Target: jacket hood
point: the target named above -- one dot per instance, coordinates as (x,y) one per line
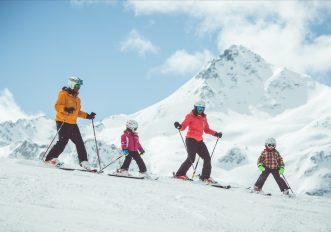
(70,91)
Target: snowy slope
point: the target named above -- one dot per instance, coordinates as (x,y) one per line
(247,99)
(38,198)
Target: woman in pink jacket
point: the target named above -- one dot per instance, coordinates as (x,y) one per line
(131,148)
(196,121)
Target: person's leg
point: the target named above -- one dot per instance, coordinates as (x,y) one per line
(140,162)
(77,139)
(204,154)
(280,181)
(127,162)
(58,148)
(192,146)
(262,178)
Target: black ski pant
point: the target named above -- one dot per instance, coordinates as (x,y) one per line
(194,147)
(264,175)
(134,155)
(68,131)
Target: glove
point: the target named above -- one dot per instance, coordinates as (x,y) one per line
(177,125)
(142,152)
(69,110)
(281,170)
(261,167)
(218,134)
(125,152)
(91,115)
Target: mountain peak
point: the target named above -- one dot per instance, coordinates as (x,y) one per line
(235,63)
(236,51)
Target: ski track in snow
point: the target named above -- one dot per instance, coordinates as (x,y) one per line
(35,198)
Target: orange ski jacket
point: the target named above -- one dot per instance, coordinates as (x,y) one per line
(65,99)
(197,124)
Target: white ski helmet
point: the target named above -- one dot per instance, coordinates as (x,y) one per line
(270,141)
(74,82)
(132,124)
(200,103)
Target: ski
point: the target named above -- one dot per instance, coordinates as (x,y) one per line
(251,190)
(132,177)
(77,169)
(221,186)
(210,184)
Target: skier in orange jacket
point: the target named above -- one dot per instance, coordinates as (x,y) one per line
(68,108)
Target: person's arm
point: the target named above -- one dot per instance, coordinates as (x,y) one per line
(280,160)
(60,103)
(260,160)
(207,130)
(81,113)
(140,148)
(124,142)
(186,122)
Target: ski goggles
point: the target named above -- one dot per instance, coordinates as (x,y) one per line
(200,108)
(78,84)
(271,145)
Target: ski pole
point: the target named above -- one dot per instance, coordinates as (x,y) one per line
(195,168)
(96,144)
(186,148)
(111,162)
(287,183)
(57,132)
(214,148)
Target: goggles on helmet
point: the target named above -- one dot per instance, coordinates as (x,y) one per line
(78,84)
(271,145)
(200,108)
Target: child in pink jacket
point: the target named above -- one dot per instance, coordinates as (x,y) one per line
(131,148)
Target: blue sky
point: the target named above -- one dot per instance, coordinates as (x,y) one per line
(132,54)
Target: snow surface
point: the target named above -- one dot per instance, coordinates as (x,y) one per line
(36,198)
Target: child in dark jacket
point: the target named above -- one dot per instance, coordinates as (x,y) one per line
(132,149)
(270,161)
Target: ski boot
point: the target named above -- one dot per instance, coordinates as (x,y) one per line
(209,181)
(122,172)
(54,162)
(182,177)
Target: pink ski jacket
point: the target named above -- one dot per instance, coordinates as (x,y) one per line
(130,141)
(196,126)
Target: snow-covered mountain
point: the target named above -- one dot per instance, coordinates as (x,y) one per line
(247,99)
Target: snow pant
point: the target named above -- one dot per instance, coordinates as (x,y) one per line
(68,131)
(264,175)
(194,147)
(134,155)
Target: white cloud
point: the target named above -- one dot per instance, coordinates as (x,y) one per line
(182,63)
(135,42)
(280,31)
